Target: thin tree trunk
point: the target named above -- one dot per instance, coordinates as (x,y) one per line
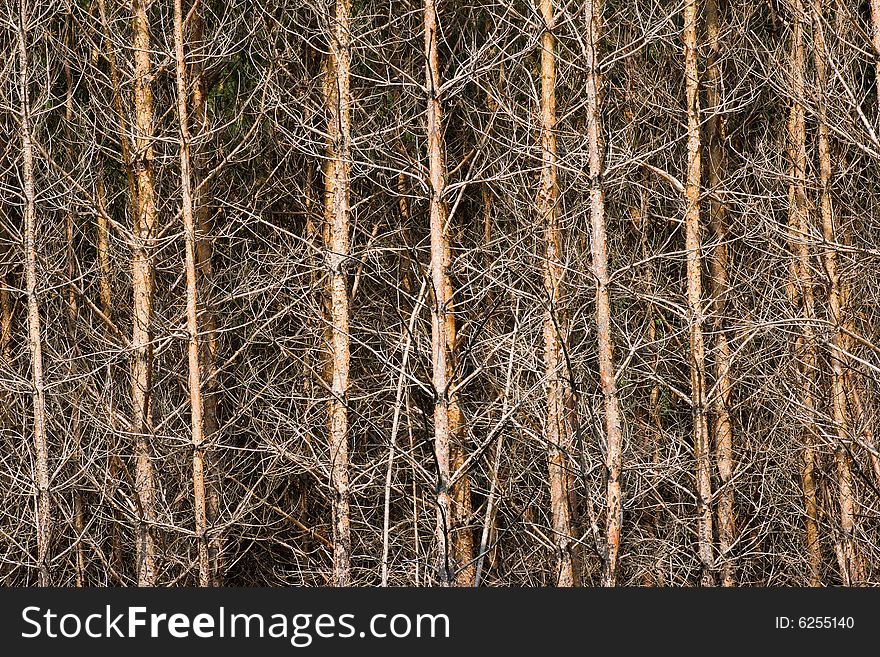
(695,300)
(850,564)
(557,432)
(70,224)
(192,321)
(105,292)
(336,216)
(599,250)
(722,428)
(142,283)
(446,413)
(875,36)
(35,340)
(801,288)
(208,324)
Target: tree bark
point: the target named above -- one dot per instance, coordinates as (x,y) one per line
(336,216)
(70,257)
(142,284)
(695,301)
(801,288)
(851,571)
(192,320)
(599,248)
(875,37)
(208,321)
(35,339)
(447,415)
(719,285)
(557,430)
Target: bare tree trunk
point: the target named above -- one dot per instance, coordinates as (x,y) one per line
(208,324)
(336,216)
(719,286)
(446,412)
(192,321)
(35,340)
(850,564)
(70,256)
(557,432)
(695,301)
(142,283)
(593,10)
(801,289)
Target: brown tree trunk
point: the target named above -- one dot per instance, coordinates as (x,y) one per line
(192,321)
(557,430)
(35,340)
(695,301)
(851,571)
(336,216)
(70,225)
(719,286)
(208,324)
(599,249)
(801,288)
(142,283)
(447,416)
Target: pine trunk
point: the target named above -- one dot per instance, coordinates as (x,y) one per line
(557,430)
(35,339)
(142,284)
(197,425)
(801,288)
(336,217)
(722,428)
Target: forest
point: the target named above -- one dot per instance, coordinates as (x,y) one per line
(438,293)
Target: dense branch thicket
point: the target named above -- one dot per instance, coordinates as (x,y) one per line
(438,293)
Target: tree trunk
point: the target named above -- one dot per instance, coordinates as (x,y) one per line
(695,301)
(850,564)
(801,288)
(35,340)
(719,286)
(557,431)
(70,225)
(208,323)
(875,37)
(599,250)
(192,321)
(142,283)
(336,216)
(446,412)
